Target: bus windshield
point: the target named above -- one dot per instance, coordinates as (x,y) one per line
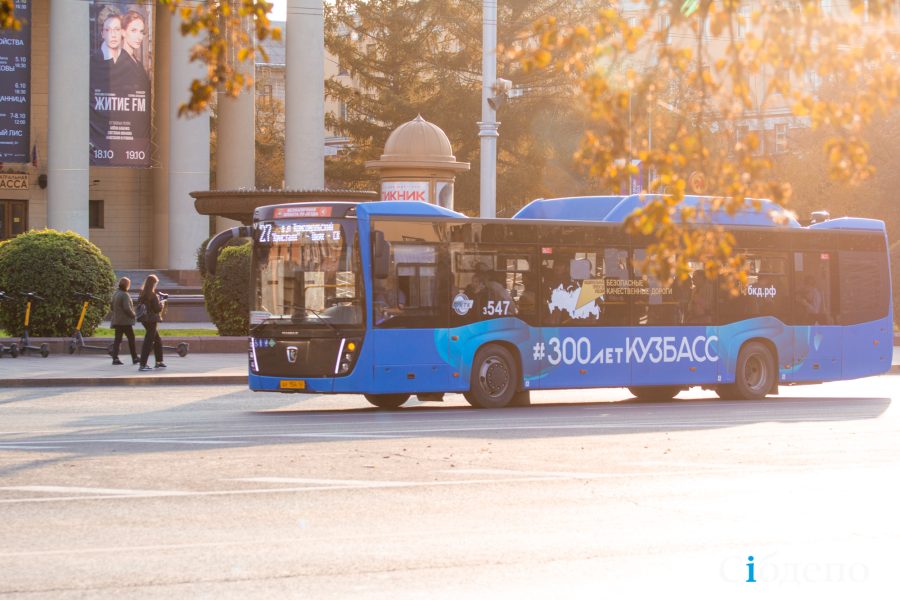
(306,272)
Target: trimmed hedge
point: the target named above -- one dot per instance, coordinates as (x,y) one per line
(54,265)
(227,293)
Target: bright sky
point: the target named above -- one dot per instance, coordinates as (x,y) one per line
(279,10)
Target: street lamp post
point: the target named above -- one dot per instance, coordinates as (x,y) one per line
(487,127)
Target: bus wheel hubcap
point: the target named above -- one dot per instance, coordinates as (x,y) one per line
(755,373)
(494,376)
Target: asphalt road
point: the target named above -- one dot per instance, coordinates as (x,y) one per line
(200,491)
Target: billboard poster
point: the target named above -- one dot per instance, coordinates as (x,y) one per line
(405,190)
(120,83)
(15,88)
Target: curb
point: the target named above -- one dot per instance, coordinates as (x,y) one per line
(212,344)
(129,381)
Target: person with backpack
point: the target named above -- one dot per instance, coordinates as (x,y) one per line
(150,307)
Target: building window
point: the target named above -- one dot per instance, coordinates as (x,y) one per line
(95,214)
(266,94)
(663,23)
(743,22)
(780,138)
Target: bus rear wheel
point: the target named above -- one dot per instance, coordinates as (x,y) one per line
(655,393)
(495,378)
(754,374)
(389,401)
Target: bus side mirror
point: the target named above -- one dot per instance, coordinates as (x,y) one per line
(216,243)
(381,256)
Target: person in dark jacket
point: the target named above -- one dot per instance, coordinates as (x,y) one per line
(151,300)
(123,321)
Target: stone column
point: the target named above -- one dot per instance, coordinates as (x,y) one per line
(162,100)
(67,124)
(304,151)
(188,157)
(236,135)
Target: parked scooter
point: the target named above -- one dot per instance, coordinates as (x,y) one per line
(25,343)
(12,350)
(77,341)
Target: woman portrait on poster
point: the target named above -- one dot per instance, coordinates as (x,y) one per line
(130,78)
(132,72)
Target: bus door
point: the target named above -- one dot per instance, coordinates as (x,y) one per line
(818,339)
(409,354)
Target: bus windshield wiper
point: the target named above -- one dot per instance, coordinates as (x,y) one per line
(323,319)
(269,320)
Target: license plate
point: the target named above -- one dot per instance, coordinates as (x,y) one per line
(293,385)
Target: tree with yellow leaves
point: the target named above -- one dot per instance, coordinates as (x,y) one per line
(736,66)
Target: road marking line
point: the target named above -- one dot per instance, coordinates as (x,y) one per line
(27,447)
(315,488)
(59,489)
(419,484)
(340,482)
(548,474)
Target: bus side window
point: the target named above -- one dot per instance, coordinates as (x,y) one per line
(812,284)
(407,296)
(653,303)
(766,294)
(863,277)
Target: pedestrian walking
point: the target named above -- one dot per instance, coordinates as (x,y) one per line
(152,315)
(123,321)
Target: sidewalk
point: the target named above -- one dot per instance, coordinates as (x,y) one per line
(95,368)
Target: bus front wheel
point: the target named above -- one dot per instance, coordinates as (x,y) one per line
(754,374)
(387,400)
(495,378)
(655,393)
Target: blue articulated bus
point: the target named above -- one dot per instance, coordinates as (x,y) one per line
(393,299)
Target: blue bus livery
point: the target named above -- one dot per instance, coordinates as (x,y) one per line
(391,299)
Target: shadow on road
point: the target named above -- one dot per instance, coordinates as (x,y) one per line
(215,424)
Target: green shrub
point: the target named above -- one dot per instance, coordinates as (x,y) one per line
(201,258)
(227,293)
(54,265)
(201,252)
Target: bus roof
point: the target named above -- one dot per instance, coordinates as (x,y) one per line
(406,209)
(858,223)
(615,209)
(604,209)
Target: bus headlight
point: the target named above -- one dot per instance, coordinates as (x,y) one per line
(347,357)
